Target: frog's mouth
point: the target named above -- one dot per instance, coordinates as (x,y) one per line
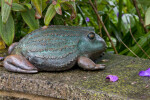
(96,55)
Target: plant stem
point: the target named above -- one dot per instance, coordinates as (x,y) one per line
(82,14)
(139,14)
(99,24)
(99,19)
(120,15)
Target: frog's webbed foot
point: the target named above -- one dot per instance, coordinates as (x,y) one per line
(18,63)
(88,64)
(44,27)
(11,47)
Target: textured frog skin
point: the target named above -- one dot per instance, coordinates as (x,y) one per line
(58,47)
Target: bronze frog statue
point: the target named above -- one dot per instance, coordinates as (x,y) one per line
(56,48)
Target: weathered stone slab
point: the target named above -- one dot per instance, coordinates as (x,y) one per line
(79,84)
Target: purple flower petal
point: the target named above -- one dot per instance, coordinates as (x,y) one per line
(87,19)
(112,78)
(1,58)
(145,73)
(118,14)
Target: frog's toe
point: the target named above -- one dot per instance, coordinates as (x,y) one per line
(18,63)
(88,64)
(13,68)
(100,66)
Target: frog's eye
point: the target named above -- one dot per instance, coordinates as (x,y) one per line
(91,35)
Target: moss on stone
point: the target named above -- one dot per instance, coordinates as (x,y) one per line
(129,85)
(79,84)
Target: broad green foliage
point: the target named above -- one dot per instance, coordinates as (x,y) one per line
(119,26)
(29,18)
(33,12)
(49,14)
(6,8)
(7,30)
(18,7)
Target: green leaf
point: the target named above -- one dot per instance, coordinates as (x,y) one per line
(73,6)
(144,2)
(38,6)
(58,8)
(28,5)
(7,30)
(29,18)
(49,14)
(44,4)
(147,17)
(58,20)
(18,7)
(5,10)
(26,1)
(15,1)
(70,6)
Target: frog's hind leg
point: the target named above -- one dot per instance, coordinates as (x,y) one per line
(11,47)
(18,63)
(88,64)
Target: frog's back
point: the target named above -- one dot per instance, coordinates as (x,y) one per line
(55,47)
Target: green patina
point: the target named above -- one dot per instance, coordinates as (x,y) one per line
(55,48)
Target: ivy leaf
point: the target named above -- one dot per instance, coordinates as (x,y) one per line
(7,30)
(49,14)
(29,18)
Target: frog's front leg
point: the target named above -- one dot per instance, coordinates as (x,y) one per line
(11,47)
(88,64)
(18,63)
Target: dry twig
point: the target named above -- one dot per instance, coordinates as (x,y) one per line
(138,44)
(128,48)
